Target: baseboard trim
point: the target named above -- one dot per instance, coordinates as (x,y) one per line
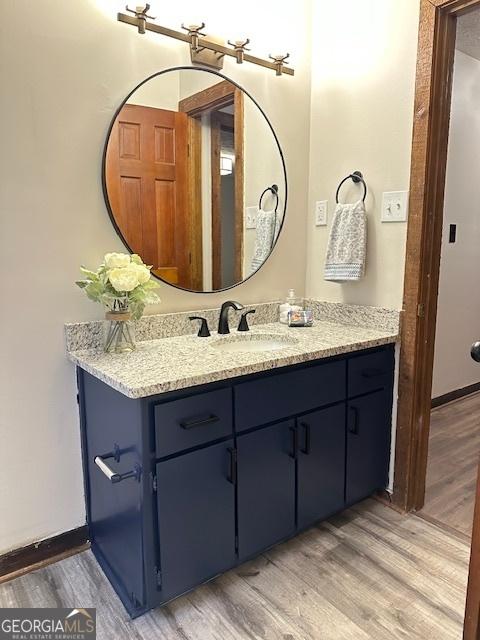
(27,558)
(455,395)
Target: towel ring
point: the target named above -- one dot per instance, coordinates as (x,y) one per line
(274,190)
(357,177)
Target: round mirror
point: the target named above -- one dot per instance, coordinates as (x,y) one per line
(194,179)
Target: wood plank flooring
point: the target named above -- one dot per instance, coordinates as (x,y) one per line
(453,455)
(366,574)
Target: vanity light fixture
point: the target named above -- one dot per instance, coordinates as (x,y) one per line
(204,50)
(279,60)
(240,46)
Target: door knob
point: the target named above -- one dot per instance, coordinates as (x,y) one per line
(475,351)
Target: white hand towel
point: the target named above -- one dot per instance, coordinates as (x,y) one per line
(347,244)
(267,229)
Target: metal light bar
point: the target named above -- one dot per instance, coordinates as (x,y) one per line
(203,43)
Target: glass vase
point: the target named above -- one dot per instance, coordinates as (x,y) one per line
(119,332)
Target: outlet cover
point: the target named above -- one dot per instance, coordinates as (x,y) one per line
(321,208)
(251,217)
(395,206)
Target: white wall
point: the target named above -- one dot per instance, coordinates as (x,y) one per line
(65,68)
(458,319)
(363,77)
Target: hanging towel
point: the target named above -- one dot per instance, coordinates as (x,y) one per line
(347,243)
(267,228)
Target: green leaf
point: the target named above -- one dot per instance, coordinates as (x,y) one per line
(152,298)
(137,309)
(151,284)
(91,275)
(94,291)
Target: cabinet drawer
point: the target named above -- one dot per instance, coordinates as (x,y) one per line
(189,422)
(286,394)
(370,372)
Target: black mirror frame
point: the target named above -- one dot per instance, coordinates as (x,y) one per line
(104,160)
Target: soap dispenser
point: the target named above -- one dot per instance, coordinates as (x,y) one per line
(292,303)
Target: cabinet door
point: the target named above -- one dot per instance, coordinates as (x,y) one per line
(368,444)
(196,517)
(321,464)
(266,487)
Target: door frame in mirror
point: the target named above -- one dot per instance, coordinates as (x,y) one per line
(212,100)
(104,160)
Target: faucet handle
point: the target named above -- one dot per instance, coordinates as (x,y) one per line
(243,324)
(204,331)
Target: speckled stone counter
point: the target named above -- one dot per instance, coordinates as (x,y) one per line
(182,361)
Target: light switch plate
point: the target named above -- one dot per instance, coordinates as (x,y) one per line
(395,206)
(251,217)
(321,208)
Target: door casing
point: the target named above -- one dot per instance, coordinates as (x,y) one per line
(433,93)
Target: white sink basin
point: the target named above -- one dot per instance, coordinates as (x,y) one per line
(254,342)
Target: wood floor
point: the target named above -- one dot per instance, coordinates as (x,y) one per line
(367,574)
(453,455)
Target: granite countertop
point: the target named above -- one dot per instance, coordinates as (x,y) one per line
(171,363)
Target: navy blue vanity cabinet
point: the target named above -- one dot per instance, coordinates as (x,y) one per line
(196,517)
(280,395)
(321,464)
(368,436)
(266,487)
(368,445)
(117,512)
(185,485)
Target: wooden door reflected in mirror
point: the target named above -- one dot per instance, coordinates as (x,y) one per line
(187,158)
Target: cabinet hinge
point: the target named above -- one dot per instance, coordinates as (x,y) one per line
(158,577)
(154,483)
(135,601)
(421,310)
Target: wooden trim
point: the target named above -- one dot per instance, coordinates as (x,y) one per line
(19,561)
(455,533)
(215,145)
(239,183)
(458,7)
(194,202)
(436,50)
(429,158)
(455,395)
(212,98)
(471,629)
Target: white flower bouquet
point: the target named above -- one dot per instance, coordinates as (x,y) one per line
(123,284)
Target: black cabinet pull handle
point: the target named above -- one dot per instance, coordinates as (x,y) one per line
(353,422)
(198,422)
(372,373)
(232,478)
(294,453)
(306,427)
